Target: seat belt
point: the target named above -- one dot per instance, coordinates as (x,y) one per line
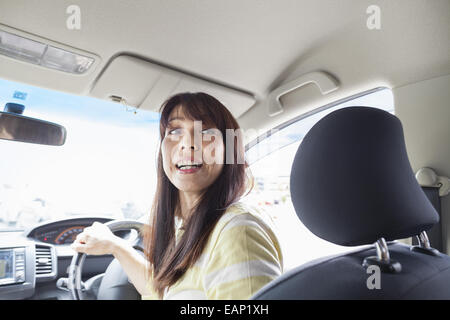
(434,187)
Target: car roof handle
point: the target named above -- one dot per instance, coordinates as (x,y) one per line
(324,81)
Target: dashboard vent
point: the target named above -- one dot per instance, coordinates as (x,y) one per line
(43,260)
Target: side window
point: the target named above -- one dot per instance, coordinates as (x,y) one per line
(270,158)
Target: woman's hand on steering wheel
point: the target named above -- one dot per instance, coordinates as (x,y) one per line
(99,239)
(96,240)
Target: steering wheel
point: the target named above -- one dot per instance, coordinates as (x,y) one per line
(115,284)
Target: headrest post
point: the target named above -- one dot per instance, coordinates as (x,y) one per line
(382,259)
(424,245)
(423,240)
(382,250)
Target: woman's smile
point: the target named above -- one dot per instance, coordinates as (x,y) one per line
(188,167)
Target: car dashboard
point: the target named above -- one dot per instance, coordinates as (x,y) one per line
(32,261)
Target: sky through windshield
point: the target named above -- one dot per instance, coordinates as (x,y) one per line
(105,168)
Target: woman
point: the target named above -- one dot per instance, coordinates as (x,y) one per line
(203,243)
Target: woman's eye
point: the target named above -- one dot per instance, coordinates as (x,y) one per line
(209,131)
(174,131)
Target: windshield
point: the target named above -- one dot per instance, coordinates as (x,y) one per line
(105,168)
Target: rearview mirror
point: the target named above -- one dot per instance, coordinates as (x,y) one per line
(16,127)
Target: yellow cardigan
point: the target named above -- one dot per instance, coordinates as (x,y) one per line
(241,256)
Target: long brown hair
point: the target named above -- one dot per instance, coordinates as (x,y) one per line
(170,260)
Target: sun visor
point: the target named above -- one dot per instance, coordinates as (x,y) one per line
(146,85)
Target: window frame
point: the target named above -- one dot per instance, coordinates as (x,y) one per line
(305,115)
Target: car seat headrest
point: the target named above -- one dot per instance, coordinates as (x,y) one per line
(352,183)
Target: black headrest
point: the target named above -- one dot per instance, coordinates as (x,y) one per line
(352,183)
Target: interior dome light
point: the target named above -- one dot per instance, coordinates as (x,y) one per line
(42,54)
